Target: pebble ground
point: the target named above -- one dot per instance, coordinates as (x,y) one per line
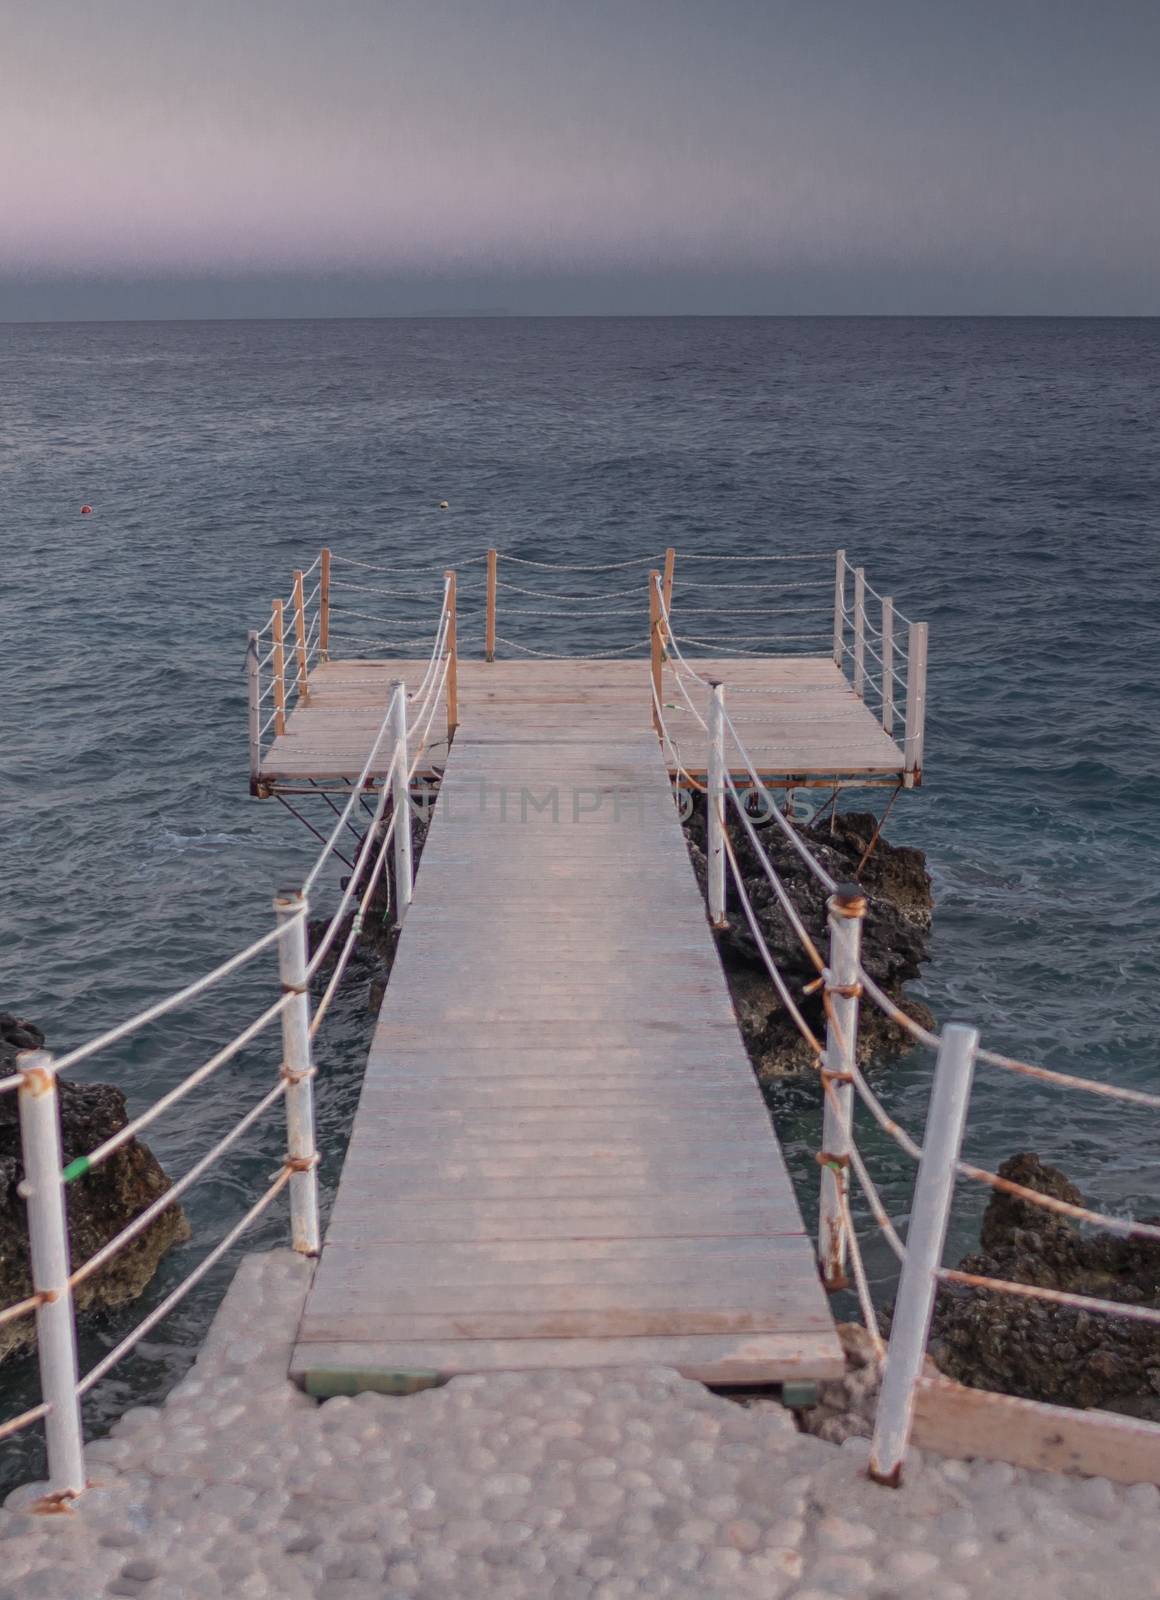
(574,1486)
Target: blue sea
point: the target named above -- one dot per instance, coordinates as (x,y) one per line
(1000,478)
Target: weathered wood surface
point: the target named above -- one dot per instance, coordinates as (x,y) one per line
(962,1422)
(560,1157)
(806,721)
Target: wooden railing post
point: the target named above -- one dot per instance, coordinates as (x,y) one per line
(839,607)
(253,697)
(324,605)
(492,578)
(670,562)
(300,638)
(656,648)
(915,705)
(860,631)
(846,908)
(929,1211)
(452,659)
(278,629)
(888,665)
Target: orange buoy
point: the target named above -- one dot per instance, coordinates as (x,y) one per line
(86,511)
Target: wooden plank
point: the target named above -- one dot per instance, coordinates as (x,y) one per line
(715,1359)
(962,1422)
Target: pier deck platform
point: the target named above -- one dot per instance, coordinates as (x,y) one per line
(800,717)
(561,1156)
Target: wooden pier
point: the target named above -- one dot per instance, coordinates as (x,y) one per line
(561,1156)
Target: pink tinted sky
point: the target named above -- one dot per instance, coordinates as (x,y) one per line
(1015,141)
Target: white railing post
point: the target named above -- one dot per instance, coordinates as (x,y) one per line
(846,909)
(715,807)
(929,1211)
(43,1193)
(860,631)
(401,802)
(839,607)
(888,665)
(290,908)
(915,704)
(253,696)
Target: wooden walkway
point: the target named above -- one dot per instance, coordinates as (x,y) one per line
(806,724)
(561,1157)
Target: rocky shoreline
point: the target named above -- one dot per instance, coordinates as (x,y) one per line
(100,1204)
(895,941)
(1044,1351)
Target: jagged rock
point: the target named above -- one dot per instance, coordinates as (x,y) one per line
(846,1405)
(894,936)
(1042,1351)
(99,1204)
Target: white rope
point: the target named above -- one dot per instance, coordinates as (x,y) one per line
(884,1003)
(13,1082)
(783,823)
(540,594)
(771,966)
(773,876)
(1135,1097)
(160,1312)
(559,566)
(751,588)
(409,572)
(20,1308)
(874,1200)
(14,1424)
(336,831)
(171,1002)
(366,588)
(537,611)
(750,638)
(390,645)
(887,1123)
(1061,1297)
(199,1075)
(356,927)
(554,655)
(385,622)
(671,750)
(757,611)
(1122,1227)
(682,557)
(176,1189)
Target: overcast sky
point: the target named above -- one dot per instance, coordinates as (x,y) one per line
(348,157)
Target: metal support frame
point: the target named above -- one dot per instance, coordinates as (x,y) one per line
(290,908)
(401,803)
(715,807)
(43,1193)
(846,909)
(930,1208)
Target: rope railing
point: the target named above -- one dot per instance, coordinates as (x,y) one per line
(845,985)
(387,771)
